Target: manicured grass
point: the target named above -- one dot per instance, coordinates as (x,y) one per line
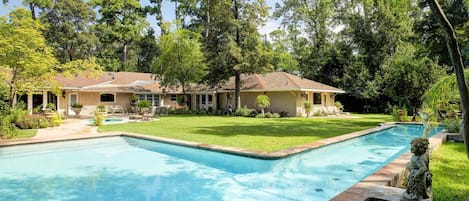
(250,133)
(25,133)
(450,169)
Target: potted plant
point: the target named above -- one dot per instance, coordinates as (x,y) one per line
(133,100)
(101,109)
(49,110)
(339,106)
(143,105)
(76,107)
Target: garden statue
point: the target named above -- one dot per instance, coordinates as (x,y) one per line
(419,181)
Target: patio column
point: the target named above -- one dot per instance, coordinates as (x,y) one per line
(30,103)
(44,100)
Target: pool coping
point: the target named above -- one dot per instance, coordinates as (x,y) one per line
(230,150)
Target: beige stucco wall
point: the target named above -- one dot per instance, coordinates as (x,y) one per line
(327,99)
(283,101)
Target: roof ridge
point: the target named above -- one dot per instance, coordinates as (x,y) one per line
(261,81)
(287,75)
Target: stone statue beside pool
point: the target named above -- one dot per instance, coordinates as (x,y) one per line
(419,181)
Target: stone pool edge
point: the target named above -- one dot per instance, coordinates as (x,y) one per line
(230,150)
(384,184)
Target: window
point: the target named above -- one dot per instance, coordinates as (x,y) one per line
(153,98)
(317,98)
(156,100)
(173,98)
(107,98)
(204,99)
(210,99)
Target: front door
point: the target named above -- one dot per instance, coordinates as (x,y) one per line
(73,98)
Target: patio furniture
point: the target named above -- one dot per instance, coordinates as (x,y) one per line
(135,118)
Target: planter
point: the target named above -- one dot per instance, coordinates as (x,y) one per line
(76,110)
(104,114)
(49,115)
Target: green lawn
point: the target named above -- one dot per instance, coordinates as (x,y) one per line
(250,133)
(25,133)
(450,169)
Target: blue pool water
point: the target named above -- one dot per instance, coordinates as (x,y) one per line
(122,168)
(108,120)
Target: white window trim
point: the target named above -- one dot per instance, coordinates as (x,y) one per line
(113,93)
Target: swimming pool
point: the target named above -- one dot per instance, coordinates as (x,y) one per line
(123,168)
(108,120)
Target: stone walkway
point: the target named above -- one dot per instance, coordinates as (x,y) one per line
(68,127)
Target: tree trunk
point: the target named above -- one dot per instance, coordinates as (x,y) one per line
(237,72)
(33,11)
(207,30)
(159,16)
(456,59)
(125,56)
(237,90)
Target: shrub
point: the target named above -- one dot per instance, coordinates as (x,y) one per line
(32,122)
(283,114)
(399,114)
(7,129)
(260,115)
(452,125)
(143,104)
(262,101)
(253,113)
(317,113)
(55,120)
(50,107)
(308,108)
(275,115)
(339,106)
(77,105)
(268,115)
(244,112)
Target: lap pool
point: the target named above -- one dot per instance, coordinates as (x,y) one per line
(124,168)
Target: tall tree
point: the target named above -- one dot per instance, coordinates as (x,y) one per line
(27,61)
(458,65)
(309,26)
(233,45)
(34,4)
(181,61)
(156,10)
(121,21)
(432,32)
(282,58)
(26,58)
(407,76)
(148,49)
(69,30)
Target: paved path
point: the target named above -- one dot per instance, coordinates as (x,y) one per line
(68,127)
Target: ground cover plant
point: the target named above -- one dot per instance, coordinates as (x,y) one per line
(450,173)
(250,133)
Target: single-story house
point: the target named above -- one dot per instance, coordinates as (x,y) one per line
(287,93)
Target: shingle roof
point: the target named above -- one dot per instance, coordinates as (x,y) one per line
(278,81)
(115,82)
(145,83)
